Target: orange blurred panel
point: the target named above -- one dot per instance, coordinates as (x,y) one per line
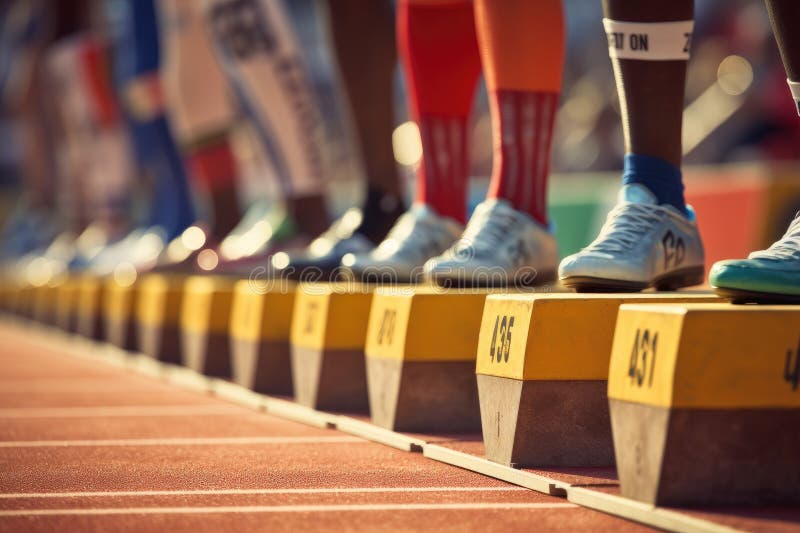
(730,205)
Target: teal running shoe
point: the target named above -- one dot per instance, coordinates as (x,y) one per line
(767,276)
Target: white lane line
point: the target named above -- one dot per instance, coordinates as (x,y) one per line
(289,509)
(74,386)
(120,411)
(256,492)
(207,441)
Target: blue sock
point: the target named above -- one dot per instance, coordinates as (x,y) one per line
(136,40)
(171,201)
(662,178)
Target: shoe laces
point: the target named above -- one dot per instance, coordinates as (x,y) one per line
(487,228)
(422,240)
(788,247)
(625,225)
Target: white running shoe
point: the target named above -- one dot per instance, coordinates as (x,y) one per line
(137,251)
(642,244)
(417,236)
(500,247)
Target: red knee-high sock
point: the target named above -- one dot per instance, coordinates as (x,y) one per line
(441,63)
(522,47)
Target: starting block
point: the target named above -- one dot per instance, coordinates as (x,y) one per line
(261,321)
(66,305)
(44,303)
(7,292)
(205,320)
(15,298)
(705,404)
(25,301)
(158,314)
(542,366)
(329,329)
(90,297)
(119,306)
(420,349)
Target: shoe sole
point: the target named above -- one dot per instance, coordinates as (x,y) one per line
(738,296)
(685,277)
(542,278)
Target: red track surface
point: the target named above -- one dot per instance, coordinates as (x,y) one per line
(761,519)
(92,447)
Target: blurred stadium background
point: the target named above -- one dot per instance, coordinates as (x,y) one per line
(741,133)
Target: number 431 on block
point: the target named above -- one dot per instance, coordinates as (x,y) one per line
(643,358)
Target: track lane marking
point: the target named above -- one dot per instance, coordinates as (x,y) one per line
(208,441)
(235,492)
(250,492)
(289,509)
(75,386)
(120,411)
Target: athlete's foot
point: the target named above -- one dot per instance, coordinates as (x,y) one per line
(322,259)
(136,252)
(500,247)
(71,252)
(767,276)
(417,236)
(27,230)
(262,229)
(380,212)
(641,245)
(356,232)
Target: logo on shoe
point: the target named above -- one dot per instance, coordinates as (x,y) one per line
(518,253)
(674,250)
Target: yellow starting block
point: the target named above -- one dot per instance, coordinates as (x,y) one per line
(329,328)
(705,404)
(421,344)
(66,304)
(7,294)
(261,321)
(91,291)
(44,303)
(25,300)
(119,306)
(542,366)
(14,297)
(158,314)
(205,320)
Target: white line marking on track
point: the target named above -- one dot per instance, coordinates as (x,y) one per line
(251,492)
(290,509)
(208,441)
(120,411)
(76,386)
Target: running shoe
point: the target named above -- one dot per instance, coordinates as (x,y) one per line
(766,276)
(322,259)
(499,247)
(418,235)
(642,244)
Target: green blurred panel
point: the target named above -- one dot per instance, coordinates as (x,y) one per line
(578,207)
(574,224)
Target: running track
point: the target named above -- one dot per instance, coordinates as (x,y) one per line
(89,446)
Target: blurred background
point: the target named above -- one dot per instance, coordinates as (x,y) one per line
(741,131)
